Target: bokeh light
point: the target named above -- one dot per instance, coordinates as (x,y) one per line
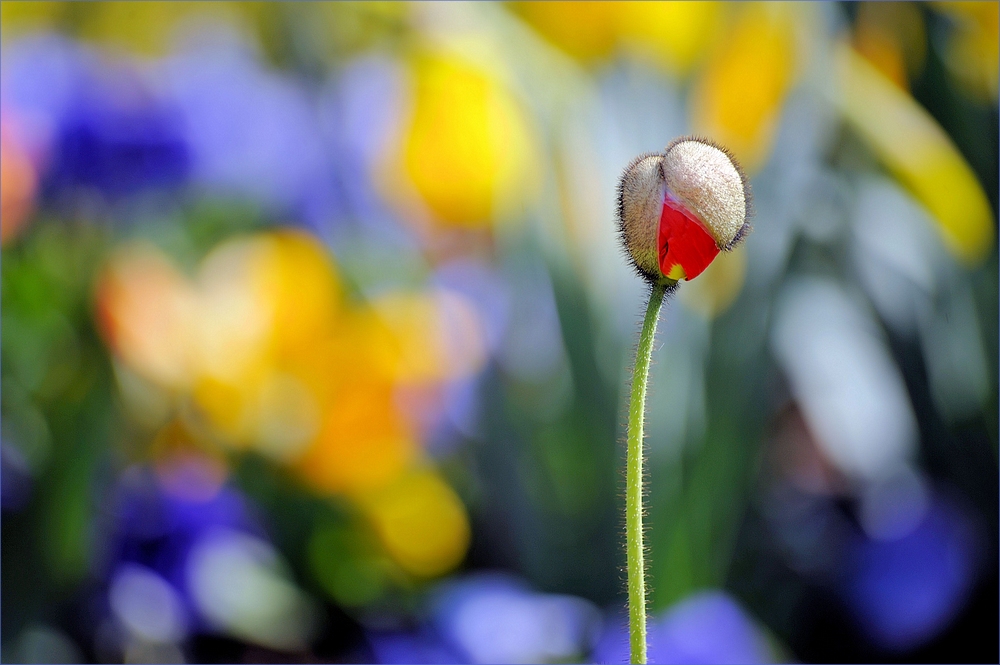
(316,333)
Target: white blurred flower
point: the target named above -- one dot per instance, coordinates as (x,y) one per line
(842,374)
(147,605)
(239,585)
(917,287)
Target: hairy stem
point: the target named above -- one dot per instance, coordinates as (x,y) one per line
(633,480)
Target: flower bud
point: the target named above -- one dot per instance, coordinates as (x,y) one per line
(679,208)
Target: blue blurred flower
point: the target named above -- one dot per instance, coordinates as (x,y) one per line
(95,123)
(497,618)
(359,112)
(157,530)
(188,556)
(40,77)
(486,290)
(15,479)
(253,133)
(905,590)
(485,287)
(707,627)
(119,139)
(414,646)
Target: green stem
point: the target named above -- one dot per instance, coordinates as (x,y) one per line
(633,479)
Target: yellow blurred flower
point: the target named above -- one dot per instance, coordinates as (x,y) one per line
(891,35)
(286,278)
(147,28)
(234,340)
(265,300)
(717,288)
(673,34)
(914,147)
(585,30)
(150,28)
(18,182)
(140,27)
(437,336)
(367,439)
(265,355)
(738,98)
(972,54)
(467,152)
(22,17)
(421,522)
(364,442)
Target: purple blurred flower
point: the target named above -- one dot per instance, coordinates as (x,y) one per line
(157,530)
(40,77)
(708,627)
(95,123)
(485,287)
(497,618)
(906,590)
(185,560)
(15,479)
(253,133)
(417,647)
(359,112)
(119,139)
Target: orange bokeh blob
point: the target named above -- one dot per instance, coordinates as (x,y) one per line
(144,309)
(18,183)
(261,353)
(739,97)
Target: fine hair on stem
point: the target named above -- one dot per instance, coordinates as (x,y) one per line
(634,547)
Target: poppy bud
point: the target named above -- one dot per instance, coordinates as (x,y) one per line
(678,209)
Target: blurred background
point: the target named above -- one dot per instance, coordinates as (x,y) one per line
(316,333)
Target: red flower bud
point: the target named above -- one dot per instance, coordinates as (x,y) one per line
(678,209)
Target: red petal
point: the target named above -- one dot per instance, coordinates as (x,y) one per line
(684,242)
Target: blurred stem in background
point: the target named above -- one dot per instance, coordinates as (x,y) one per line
(633,499)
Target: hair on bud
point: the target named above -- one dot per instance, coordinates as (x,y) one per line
(708,180)
(694,175)
(640,197)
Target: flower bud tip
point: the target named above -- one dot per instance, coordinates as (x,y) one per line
(679,208)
